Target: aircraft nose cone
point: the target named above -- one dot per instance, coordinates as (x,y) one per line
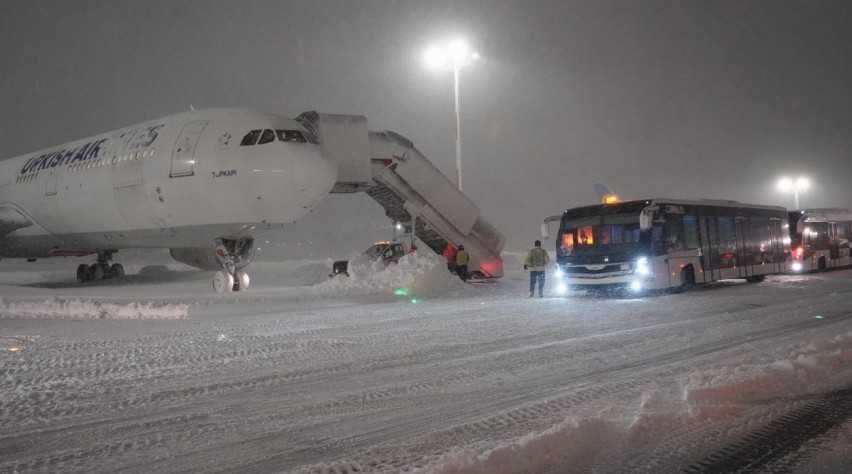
(315,176)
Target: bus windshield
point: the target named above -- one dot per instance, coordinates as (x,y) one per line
(595,234)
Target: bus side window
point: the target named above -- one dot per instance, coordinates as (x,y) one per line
(658,242)
(674,233)
(727,242)
(585,235)
(567,245)
(606,234)
(690,231)
(761,242)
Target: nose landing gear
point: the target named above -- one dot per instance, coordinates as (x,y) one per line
(228,279)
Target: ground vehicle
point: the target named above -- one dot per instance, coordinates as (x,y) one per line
(819,238)
(387,252)
(668,243)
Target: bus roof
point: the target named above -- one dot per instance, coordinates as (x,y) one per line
(825,215)
(636,206)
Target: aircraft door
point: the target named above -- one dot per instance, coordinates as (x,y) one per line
(50,183)
(183,157)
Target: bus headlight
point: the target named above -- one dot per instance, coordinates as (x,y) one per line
(561,289)
(797,267)
(642,266)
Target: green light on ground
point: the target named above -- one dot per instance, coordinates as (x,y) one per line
(818,317)
(414,301)
(401,292)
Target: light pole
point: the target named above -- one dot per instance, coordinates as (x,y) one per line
(453,55)
(800,185)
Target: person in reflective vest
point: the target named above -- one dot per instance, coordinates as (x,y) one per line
(535,262)
(461,263)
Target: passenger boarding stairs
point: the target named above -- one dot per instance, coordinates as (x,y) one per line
(412,191)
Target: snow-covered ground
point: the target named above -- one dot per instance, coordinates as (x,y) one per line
(407,369)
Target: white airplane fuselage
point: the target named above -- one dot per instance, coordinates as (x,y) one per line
(177,182)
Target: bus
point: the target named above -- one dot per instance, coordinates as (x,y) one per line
(819,239)
(664,243)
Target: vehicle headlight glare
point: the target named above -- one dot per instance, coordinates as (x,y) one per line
(636,286)
(797,267)
(559,273)
(561,288)
(642,266)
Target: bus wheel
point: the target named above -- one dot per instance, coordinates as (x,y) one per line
(755,278)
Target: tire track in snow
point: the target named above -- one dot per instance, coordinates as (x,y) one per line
(470,413)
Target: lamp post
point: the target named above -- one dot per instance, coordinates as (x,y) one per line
(453,55)
(800,185)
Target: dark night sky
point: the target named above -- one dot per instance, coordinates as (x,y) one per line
(656,98)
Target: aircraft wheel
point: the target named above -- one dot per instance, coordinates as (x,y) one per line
(116,270)
(82,273)
(97,272)
(223,282)
(243,280)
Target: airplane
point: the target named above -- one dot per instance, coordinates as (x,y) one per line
(202,183)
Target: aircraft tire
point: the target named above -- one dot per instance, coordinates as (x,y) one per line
(82,273)
(243,279)
(99,272)
(116,270)
(223,282)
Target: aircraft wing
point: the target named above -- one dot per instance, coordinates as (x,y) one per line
(11,219)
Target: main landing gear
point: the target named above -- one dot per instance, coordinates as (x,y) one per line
(228,278)
(101,270)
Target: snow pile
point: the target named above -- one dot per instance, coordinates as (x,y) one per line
(76,308)
(573,442)
(798,373)
(419,274)
(570,446)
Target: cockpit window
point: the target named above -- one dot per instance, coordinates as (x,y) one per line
(267,137)
(291,136)
(250,138)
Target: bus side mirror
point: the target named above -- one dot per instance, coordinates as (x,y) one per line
(646,217)
(545,232)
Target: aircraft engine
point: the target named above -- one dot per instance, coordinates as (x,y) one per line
(205,258)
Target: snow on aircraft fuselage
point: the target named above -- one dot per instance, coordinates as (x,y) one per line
(203,183)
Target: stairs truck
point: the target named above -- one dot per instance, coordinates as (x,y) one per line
(388,167)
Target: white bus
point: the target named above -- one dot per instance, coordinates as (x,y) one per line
(820,239)
(668,243)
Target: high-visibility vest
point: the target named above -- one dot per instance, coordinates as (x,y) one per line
(536,259)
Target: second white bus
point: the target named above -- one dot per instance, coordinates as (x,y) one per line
(819,239)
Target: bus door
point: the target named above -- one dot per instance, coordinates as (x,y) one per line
(709,248)
(833,247)
(743,251)
(780,254)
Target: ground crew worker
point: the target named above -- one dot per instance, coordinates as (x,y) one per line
(535,261)
(461,263)
(450,255)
